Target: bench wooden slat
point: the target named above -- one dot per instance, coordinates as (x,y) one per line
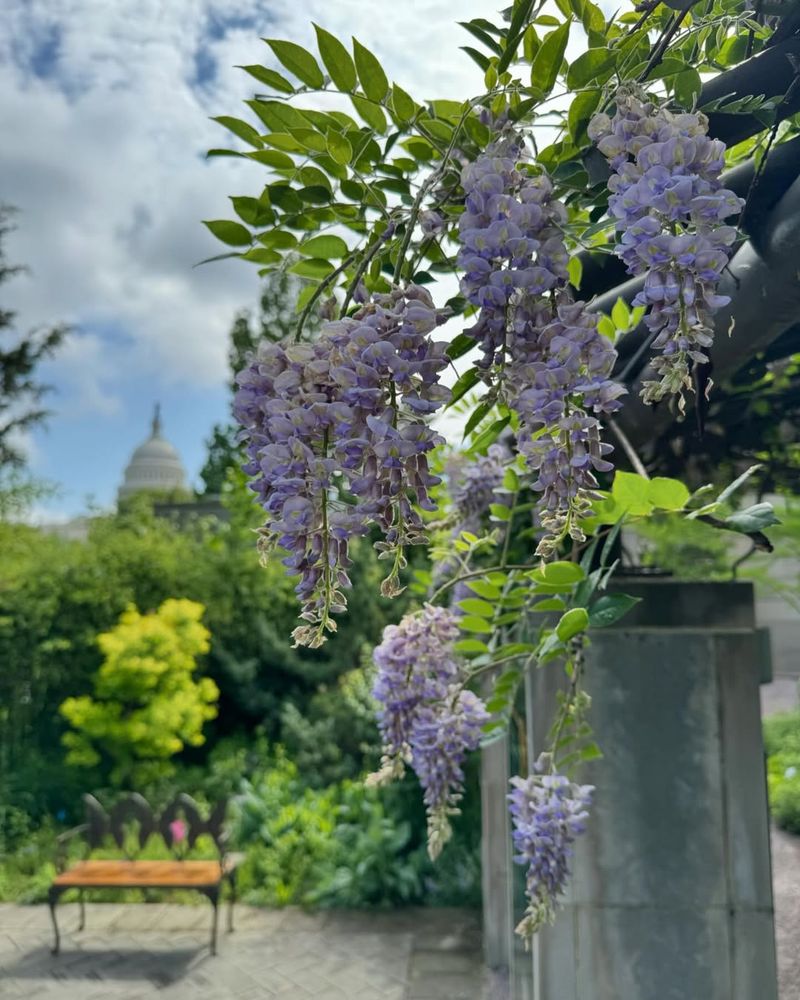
(141,874)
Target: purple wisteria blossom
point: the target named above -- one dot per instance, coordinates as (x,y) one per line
(669,206)
(415,664)
(548,812)
(475,484)
(426,718)
(347,412)
(541,351)
(441,736)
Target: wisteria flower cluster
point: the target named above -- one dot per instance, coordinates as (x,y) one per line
(426,717)
(541,350)
(669,206)
(345,414)
(548,812)
(474,484)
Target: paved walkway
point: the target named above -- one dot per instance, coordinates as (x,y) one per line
(138,951)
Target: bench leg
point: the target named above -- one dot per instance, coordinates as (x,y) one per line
(52,900)
(213,896)
(83,911)
(231,899)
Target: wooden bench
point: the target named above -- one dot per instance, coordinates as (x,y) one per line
(131,823)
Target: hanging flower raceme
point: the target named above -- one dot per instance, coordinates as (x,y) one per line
(441,736)
(542,352)
(475,484)
(548,812)
(345,413)
(669,206)
(426,718)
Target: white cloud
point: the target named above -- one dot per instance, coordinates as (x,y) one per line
(105,125)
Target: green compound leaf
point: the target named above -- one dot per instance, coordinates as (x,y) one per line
(370,72)
(548,59)
(370,112)
(559,574)
(270,77)
(339,147)
(273,158)
(328,247)
(232,233)
(755,518)
(484,589)
(575,270)
(470,646)
(402,104)
(687,86)
(549,604)
(475,606)
(241,129)
(593,65)
(667,494)
(471,623)
(336,59)
(571,623)
(632,493)
(609,608)
(298,61)
(314,268)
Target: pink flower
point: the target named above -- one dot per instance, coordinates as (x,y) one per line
(178,830)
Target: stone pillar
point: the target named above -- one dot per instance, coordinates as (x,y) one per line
(671,897)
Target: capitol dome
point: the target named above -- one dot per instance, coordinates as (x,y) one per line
(154,466)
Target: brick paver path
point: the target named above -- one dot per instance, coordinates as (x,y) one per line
(140,951)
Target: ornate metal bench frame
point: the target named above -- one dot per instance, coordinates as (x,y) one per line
(100,825)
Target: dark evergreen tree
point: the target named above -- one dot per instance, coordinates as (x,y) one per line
(21,393)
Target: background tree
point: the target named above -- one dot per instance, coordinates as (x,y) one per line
(275,320)
(20,391)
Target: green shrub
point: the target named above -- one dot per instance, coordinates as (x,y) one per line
(347,845)
(146,704)
(782,743)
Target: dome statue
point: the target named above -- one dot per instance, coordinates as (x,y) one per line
(155,466)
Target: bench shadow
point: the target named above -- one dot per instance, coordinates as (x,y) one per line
(159,967)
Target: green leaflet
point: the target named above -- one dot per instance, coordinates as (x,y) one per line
(298,61)
(336,59)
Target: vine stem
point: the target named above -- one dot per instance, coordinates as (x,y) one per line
(423,190)
(627,447)
(319,291)
(773,134)
(662,44)
(481,572)
(362,267)
(569,701)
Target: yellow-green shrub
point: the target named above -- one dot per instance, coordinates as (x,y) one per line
(147,705)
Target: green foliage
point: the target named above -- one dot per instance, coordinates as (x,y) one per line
(782,743)
(335,735)
(56,596)
(346,845)
(695,552)
(779,571)
(20,391)
(146,705)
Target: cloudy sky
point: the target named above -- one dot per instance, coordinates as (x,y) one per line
(105,122)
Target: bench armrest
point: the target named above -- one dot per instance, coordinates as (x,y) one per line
(62,842)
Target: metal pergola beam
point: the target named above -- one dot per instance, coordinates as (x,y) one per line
(769,74)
